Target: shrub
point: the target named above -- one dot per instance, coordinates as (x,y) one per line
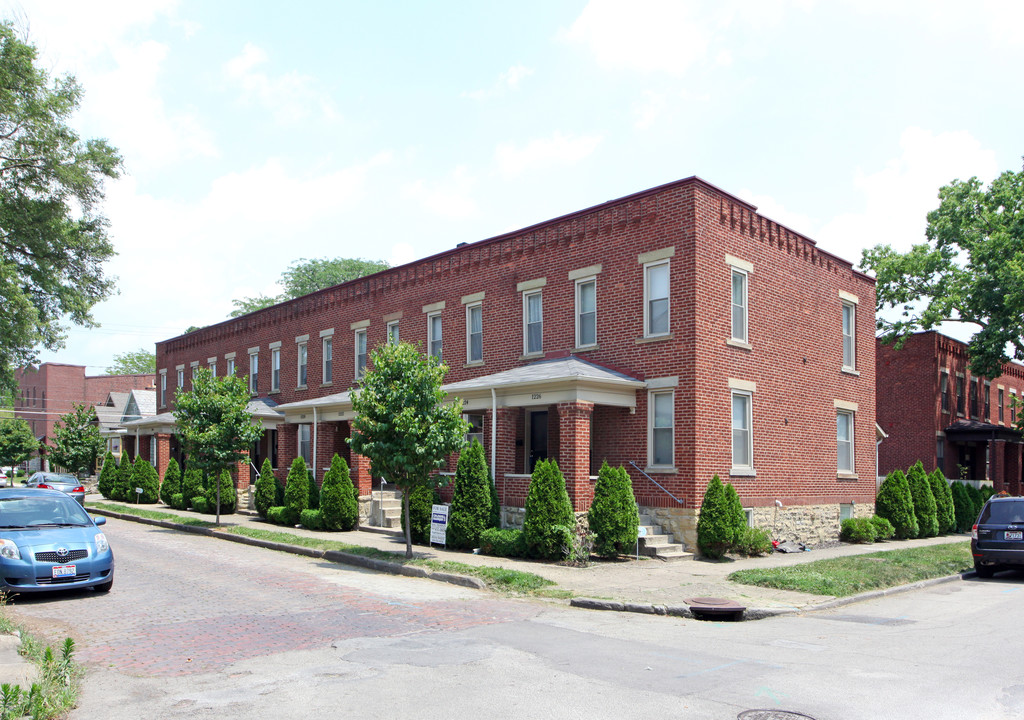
(613,516)
(943,502)
(577,542)
(503,543)
(962,506)
(171,484)
(178,501)
(191,483)
(857,530)
(122,481)
(338,507)
(144,476)
(311,519)
(108,476)
(421,498)
(718,524)
(977,503)
(924,501)
(883,528)
(200,505)
(895,504)
(282,515)
(471,501)
(547,508)
(494,519)
(266,489)
(753,542)
(296,489)
(314,493)
(227,494)
(986,491)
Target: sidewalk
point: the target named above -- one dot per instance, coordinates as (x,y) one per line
(644,585)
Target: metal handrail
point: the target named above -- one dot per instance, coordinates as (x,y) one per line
(639,470)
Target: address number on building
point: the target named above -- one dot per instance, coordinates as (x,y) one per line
(535,396)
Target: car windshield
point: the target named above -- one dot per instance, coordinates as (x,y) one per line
(21,512)
(1003,513)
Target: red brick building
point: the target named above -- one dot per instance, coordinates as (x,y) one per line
(49,391)
(675,332)
(935,410)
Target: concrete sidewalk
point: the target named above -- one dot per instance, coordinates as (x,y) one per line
(644,585)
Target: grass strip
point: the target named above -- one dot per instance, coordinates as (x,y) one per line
(844,576)
(151,514)
(59,677)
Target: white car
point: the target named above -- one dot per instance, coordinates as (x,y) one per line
(4,480)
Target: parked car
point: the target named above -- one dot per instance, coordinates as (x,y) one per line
(997,539)
(68,484)
(4,480)
(49,542)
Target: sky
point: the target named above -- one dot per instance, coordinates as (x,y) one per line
(255,135)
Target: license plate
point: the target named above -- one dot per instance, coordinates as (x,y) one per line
(60,571)
(1013,535)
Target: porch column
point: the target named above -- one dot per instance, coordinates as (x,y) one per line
(163,453)
(997,464)
(243,473)
(1013,467)
(359,471)
(574,451)
(505,449)
(287,448)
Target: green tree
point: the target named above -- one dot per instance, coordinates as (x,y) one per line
(971,270)
(171,484)
(17,442)
(549,520)
(133,362)
(308,276)
(470,510)
(962,507)
(613,515)
(144,476)
(943,501)
(402,424)
(108,476)
(53,239)
(422,498)
(718,523)
(925,509)
(266,489)
(895,503)
(123,481)
(76,439)
(222,495)
(191,484)
(296,489)
(214,424)
(338,507)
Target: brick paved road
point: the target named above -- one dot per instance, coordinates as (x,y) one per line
(184,604)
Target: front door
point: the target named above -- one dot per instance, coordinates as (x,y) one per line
(538,438)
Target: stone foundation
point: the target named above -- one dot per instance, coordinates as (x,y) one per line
(512,517)
(680,522)
(365,503)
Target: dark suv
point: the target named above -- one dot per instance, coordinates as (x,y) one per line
(997,540)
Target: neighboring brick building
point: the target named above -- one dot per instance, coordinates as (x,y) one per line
(934,410)
(675,332)
(48,391)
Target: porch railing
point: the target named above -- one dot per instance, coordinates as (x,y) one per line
(640,470)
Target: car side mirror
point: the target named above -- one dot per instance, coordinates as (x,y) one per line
(99,520)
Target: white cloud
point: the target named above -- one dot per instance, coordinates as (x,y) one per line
(402,253)
(290,97)
(771,208)
(448,198)
(651,106)
(542,153)
(511,79)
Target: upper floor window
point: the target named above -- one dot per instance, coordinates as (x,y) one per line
(533,323)
(163,388)
(1013,407)
(434,337)
(360,353)
(275,369)
(328,356)
(213,368)
(254,372)
(474,333)
(960,395)
(739,305)
(974,398)
(849,336)
(656,302)
(844,441)
(999,403)
(988,402)
(181,377)
(195,369)
(231,367)
(586,312)
(393,336)
(661,428)
(944,390)
(302,360)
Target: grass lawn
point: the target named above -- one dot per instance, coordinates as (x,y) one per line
(854,574)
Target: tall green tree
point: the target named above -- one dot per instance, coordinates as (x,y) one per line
(307,276)
(171,484)
(471,501)
(17,442)
(613,515)
(548,520)
(402,423)
(971,271)
(108,476)
(214,424)
(53,238)
(76,439)
(266,486)
(925,508)
(133,362)
(338,506)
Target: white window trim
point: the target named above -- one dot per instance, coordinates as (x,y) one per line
(469,335)
(275,369)
(326,358)
(580,282)
(355,360)
(300,348)
(852,366)
(394,325)
(527,294)
(850,412)
(651,394)
(745,339)
(647,300)
(747,391)
(254,364)
(430,333)
(163,388)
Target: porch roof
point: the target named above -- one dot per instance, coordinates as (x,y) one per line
(264,412)
(975,430)
(538,384)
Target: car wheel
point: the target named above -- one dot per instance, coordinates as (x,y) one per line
(105,587)
(984,571)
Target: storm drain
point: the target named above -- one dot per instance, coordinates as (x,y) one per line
(772,715)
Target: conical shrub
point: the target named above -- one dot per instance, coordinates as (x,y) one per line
(228,495)
(716,526)
(171,484)
(613,517)
(924,501)
(191,485)
(896,505)
(962,507)
(296,489)
(144,476)
(943,502)
(122,481)
(471,501)
(549,520)
(421,499)
(338,507)
(108,476)
(266,489)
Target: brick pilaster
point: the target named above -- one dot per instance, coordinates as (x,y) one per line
(574,451)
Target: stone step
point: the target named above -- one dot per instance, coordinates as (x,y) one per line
(677,554)
(656,540)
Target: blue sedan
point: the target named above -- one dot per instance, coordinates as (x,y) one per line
(49,542)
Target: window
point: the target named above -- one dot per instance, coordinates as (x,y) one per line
(360,353)
(742,450)
(181,377)
(254,372)
(213,368)
(231,367)
(739,305)
(940,453)
(304,445)
(988,402)
(849,336)
(272,442)
(533,323)
(974,398)
(1013,406)
(999,404)
(960,395)
(434,335)
(275,370)
(661,428)
(476,427)
(195,369)
(944,390)
(844,441)
(846,511)
(163,388)
(328,355)
(474,333)
(586,313)
(302,353)
(656,308)
(393,332)
(152,450)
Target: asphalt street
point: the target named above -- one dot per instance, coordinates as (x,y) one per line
(201,628)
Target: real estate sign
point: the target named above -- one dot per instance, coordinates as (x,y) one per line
(438,524)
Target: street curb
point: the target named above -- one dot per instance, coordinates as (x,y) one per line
(335,556)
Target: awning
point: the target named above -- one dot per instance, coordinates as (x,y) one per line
(977,431)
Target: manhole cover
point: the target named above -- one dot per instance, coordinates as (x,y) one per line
(772,715)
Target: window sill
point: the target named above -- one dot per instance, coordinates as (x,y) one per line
(531,356)
(743,472)
(327,384)
(300,387)
(660,470)
(585,348)
(653,338)
(847,476)
(273,392)
(850,371)
(742,344)
(475,363)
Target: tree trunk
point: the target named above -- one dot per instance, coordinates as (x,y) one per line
(406,492)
